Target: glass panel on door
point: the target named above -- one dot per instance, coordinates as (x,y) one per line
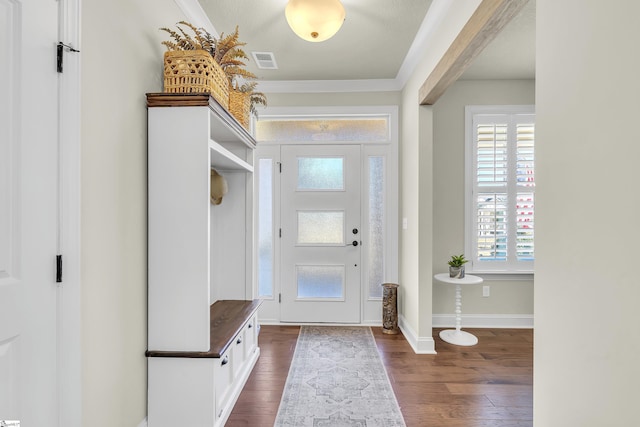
(320,173)
(320,228)
(320,281)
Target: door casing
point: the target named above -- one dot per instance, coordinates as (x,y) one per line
(388,149)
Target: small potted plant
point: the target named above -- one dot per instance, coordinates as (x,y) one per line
(456,266)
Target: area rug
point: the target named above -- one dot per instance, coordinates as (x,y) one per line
(337,379)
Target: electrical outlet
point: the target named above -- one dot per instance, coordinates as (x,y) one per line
(486,291)
(404,223)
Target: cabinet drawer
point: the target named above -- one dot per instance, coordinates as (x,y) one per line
(238,353)
(223,378)
(251,336)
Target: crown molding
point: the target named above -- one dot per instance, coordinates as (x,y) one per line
(196,15)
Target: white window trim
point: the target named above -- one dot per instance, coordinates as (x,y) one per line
(510,271)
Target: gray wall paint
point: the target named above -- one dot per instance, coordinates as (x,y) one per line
(586,369)
(507,297)
(121,61)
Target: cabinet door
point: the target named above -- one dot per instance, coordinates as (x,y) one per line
(181,392)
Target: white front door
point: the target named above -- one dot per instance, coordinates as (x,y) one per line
(28,212)
(321,236)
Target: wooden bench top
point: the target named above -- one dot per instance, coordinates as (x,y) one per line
(227,318)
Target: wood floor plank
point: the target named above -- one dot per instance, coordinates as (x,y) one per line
(487,385)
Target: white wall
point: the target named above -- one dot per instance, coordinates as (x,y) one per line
(507,298)
(586,368)
(121,60)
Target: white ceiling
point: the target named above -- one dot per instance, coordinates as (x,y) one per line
(372,43)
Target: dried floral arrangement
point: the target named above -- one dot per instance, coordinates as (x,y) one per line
(201,38)
(255,98)
(226,51)
(231,57)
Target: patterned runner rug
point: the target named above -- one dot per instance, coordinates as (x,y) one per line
(337,379)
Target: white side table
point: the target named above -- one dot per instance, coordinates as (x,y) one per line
(457,336)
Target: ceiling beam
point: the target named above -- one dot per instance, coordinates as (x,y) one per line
(487,21)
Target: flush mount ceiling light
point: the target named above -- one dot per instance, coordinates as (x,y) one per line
(315,20)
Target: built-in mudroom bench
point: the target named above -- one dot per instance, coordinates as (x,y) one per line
(200,388)
(202,315)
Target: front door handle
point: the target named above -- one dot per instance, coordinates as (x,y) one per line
(355,243)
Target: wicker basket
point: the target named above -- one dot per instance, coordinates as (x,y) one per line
(195,71)
(240,106)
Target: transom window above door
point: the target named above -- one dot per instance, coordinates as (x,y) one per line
(330,129)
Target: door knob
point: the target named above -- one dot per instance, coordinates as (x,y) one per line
(355,231)
(355,243)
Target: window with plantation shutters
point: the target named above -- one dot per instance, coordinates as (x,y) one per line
(500,188)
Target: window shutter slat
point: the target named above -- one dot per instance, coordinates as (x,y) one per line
(525,226)
(491,158)
(492,226)
(524,151)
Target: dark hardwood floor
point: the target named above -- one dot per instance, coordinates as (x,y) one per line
(486,385)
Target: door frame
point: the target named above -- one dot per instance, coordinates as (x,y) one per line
(69,295)
(370,307)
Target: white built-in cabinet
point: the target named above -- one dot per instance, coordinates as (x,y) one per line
(202,318)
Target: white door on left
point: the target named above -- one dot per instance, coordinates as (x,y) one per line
(28,212)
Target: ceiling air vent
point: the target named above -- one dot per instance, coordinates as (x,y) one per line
(265,60)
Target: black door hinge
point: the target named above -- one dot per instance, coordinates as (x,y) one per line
(58,268)
(280,233)
(279,297)
(280,166)
(60,53)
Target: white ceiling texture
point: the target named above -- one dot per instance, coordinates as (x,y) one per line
(373,44)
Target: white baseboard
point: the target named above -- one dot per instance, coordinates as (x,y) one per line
(143,423)
(516,321)
(272,322)
(420,345)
